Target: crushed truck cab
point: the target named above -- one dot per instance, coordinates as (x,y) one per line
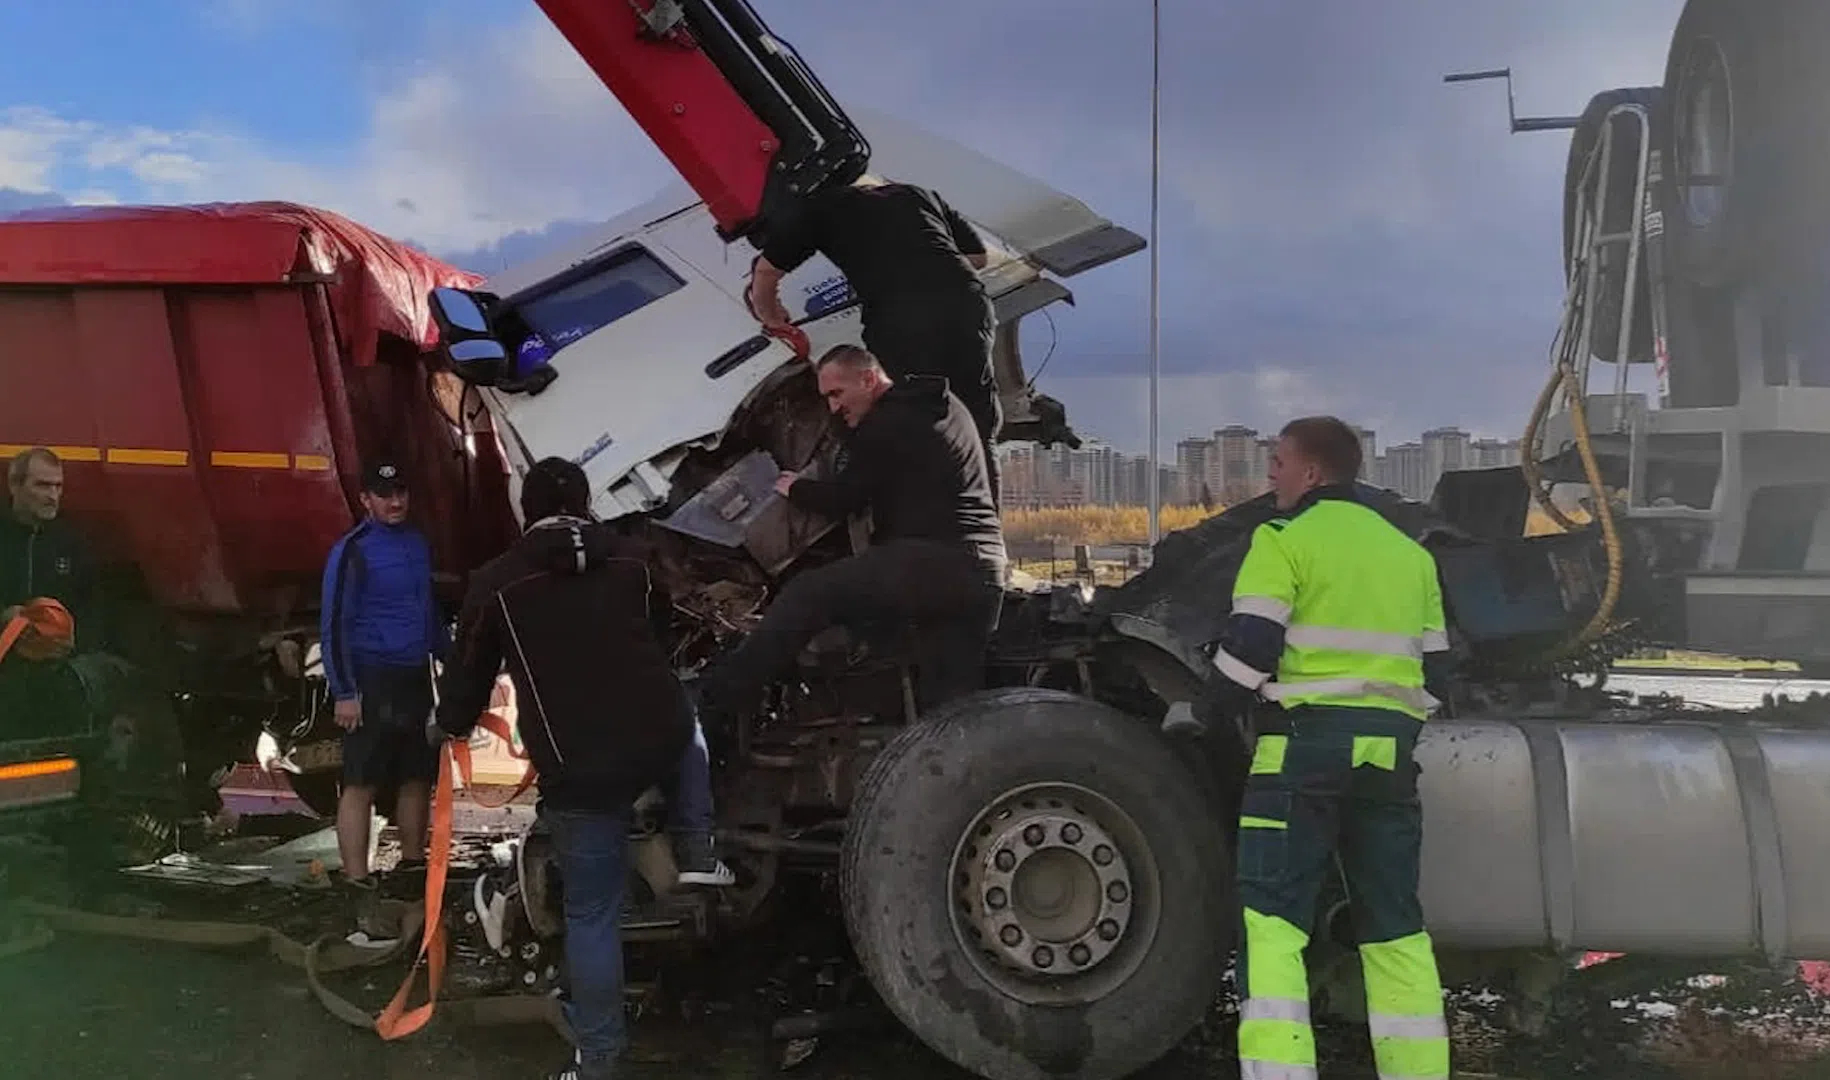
(656,299)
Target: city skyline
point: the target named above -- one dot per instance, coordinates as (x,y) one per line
(1228,466)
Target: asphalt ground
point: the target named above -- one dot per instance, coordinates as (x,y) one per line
(88,1008)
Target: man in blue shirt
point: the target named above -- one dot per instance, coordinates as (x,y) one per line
(380,627)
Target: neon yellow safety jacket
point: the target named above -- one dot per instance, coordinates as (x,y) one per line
(1357,602)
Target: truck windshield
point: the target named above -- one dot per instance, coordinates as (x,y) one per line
(595,295)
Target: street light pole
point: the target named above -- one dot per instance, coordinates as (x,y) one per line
(1156,110)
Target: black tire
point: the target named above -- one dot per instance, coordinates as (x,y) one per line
(1039,752)
(133,790)
(1734,68)
(1619,211)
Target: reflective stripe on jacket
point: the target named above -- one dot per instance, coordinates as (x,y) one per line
(1357,601)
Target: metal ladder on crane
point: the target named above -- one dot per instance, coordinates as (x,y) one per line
(1597,204)
(1626,129)
(1641,244)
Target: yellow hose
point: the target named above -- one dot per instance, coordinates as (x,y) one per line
(1528,458)
(1604,509)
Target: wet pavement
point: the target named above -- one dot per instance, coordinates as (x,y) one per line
(84,1008)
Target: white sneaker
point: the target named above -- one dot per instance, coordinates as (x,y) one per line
(715,876)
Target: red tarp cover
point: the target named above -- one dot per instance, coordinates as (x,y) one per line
(380,288)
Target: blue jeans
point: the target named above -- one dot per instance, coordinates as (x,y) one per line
(593,850)
(689,790)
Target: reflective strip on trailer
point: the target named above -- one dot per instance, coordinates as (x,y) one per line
(36,783)
(135,455)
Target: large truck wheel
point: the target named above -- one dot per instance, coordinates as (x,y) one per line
(1733,66)
(1037,887)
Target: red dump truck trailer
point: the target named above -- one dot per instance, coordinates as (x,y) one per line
(213,378)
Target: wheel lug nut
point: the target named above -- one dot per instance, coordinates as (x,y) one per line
(1006,860)
(1034,835)
(1103,855)
(1080,955)
(996,899)
(1117,892)
(1108,930)
(1011,936)
(1070,833)
(1043,956)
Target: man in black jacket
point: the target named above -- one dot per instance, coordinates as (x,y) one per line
(912,260)
(41,556)
(937,556)
(574,615)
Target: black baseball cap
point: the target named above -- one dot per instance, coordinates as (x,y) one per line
(384,477)
(555,486)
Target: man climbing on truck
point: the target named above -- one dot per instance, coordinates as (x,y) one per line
(1334,612)
(912,261)
(577,623)
(937,557)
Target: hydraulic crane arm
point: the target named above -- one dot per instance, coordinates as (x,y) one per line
(735,109)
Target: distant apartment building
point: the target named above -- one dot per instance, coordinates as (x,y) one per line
(1033,477)
(1242,462)
(1193,457)
(1402,469)
(1101,464)
(1445,449)
(1413,469)
(1495,454)
(1096,474)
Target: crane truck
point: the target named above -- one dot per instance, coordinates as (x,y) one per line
(1036,879)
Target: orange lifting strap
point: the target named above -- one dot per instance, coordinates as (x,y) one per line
(41,630)
(396,1020)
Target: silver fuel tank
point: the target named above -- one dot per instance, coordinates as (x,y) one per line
(1704,837)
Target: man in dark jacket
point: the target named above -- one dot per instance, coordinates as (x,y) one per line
(379,628)
(40,555)
(576,617)
(912,261)
(937,556)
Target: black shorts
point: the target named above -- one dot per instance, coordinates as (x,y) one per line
(389,746)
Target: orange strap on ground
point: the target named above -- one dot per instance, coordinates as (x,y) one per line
(396,1020)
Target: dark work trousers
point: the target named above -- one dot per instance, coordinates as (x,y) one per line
(1338,779)
(949,599)
(946,334)
(592,849)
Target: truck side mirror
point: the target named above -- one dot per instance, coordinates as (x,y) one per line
(474,354)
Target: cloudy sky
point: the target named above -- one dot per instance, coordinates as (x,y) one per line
(1341,231)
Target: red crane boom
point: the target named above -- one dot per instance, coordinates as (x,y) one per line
(733,107)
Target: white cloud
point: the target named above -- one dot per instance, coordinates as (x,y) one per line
(450,158)
(33,142)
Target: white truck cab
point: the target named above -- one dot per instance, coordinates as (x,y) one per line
(654,349)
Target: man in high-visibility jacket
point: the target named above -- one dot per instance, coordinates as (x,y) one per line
(1335,613)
